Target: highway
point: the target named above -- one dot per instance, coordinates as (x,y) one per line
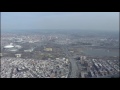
(74,69)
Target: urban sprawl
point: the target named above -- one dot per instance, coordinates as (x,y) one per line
(58,55)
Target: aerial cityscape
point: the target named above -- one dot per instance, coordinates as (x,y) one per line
(59,53)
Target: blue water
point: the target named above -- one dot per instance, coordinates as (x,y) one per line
(101,52)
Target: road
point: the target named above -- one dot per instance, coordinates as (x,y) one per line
(74,69)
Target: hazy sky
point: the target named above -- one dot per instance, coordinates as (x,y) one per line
(60,20)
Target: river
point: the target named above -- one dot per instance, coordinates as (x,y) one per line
(100,52)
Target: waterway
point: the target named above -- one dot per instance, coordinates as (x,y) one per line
(100,52)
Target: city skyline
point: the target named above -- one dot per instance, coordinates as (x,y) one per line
(106,21)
